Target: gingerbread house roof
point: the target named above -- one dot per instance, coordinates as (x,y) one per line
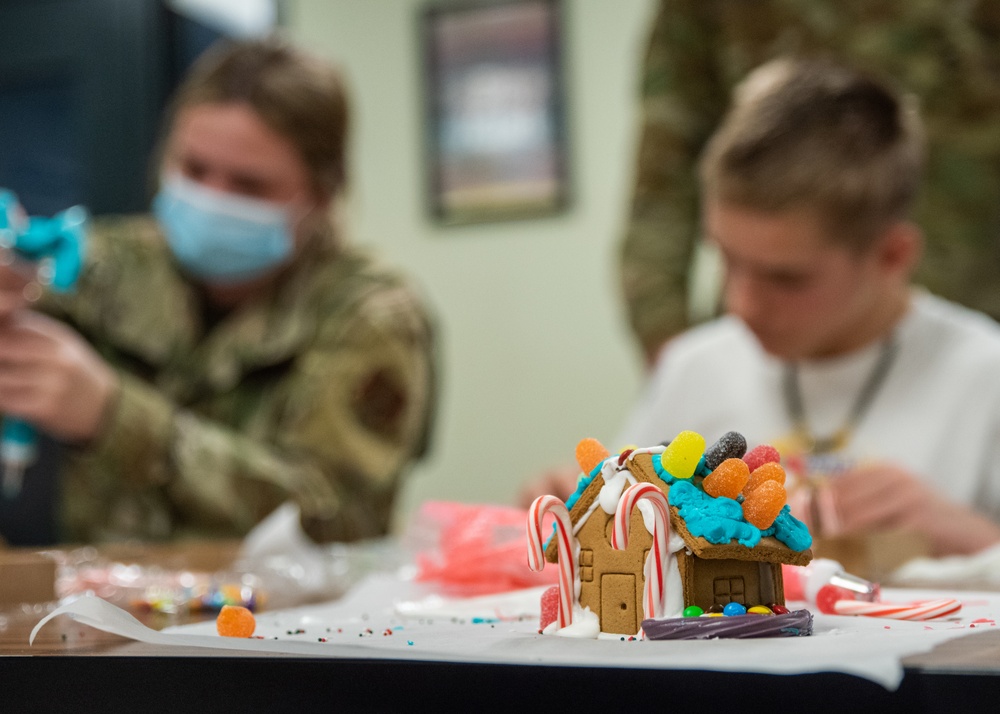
(769,549)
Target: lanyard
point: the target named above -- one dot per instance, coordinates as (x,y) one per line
(792,393)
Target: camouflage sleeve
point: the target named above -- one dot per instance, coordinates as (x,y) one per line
(355,415)
(683,98)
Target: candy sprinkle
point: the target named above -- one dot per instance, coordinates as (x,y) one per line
(235,621)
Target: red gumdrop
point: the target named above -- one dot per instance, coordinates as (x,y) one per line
(550,607)
(762,505)
(770,471)
(760,455)
(727,480)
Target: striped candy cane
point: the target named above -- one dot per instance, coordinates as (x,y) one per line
(655,567)
(566,544)
(926,610)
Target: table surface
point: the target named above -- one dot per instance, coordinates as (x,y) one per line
(118,670)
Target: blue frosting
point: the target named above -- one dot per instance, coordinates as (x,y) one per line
(720,520)
(582,484)
(660,471)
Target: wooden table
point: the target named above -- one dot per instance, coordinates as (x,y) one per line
(74,667)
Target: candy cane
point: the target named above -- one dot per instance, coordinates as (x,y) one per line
(927,610)
(566,545)
(656,560)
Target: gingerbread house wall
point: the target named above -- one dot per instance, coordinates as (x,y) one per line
(611,581)
(720,581)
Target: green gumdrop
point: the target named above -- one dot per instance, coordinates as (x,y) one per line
(693,611)
(682,455)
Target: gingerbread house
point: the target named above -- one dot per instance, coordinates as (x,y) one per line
(699,572)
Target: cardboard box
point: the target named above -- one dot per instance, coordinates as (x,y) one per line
(26,577)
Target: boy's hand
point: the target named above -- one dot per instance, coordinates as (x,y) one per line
(880,497)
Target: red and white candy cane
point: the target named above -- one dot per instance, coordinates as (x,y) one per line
(927,610)
(566,544)
(652,601)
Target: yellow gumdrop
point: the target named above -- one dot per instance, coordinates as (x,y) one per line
(589,453)
(681,457)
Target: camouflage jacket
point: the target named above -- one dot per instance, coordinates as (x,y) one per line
(946,53)
(320,392)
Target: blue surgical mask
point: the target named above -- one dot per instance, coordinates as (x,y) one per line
(221,237)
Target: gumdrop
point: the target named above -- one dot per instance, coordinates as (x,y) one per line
(731,445)
(760,455)
(235,621)
(728,479)
(681,457)
(762,505)
(589,453)
(550,607)
(765,472)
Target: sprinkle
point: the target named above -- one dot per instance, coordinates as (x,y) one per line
(409,642)
(321,639)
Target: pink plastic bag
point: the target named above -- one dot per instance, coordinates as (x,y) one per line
(474,549)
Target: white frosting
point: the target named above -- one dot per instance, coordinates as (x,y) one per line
(585,626)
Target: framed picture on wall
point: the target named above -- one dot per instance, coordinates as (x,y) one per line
(496,141)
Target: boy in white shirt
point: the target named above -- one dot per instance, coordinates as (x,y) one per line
(883,401)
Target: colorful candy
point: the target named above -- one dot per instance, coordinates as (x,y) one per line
(770,471)
(731,445)
(692,611)
(235,621)
(762,505)
(652,600)
(681,456)
(733,609)
(760,455)
(927,610)
(759,610)
(567,547)
(728,479)
(589,453)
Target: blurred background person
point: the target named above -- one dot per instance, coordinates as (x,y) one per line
(945,54)
(231,352)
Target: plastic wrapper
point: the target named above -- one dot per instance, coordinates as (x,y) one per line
(473,549)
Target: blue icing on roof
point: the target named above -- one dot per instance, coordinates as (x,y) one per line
(720,520)
(582,484)
(665,475)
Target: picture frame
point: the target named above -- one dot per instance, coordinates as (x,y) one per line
(495,112)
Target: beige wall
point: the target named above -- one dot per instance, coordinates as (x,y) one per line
(535,353)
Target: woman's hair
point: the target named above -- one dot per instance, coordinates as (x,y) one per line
(297,95)
(816,135)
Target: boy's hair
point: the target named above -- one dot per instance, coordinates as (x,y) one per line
(816,135)
(298,96)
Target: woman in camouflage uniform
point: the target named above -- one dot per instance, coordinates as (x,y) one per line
(231,353)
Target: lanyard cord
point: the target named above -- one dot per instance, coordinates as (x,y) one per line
(792,394)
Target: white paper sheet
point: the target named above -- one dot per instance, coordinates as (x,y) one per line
(386,617)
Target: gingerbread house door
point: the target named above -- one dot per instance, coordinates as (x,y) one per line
(618,604)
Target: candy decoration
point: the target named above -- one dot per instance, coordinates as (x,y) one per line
(759,610)
(549,607)
(681,457)
(731,445)
(762,505)
(589,453)
(728,479)
(235,621)
(770,471)
(829,595)
(760,455)
(926,610)
(692,611)
(566,544)
(655,567)
(734,608)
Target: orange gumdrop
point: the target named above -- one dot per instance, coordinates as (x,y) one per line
(762,505)
(728,479)
(589,453)
(235,621)
(765,472)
